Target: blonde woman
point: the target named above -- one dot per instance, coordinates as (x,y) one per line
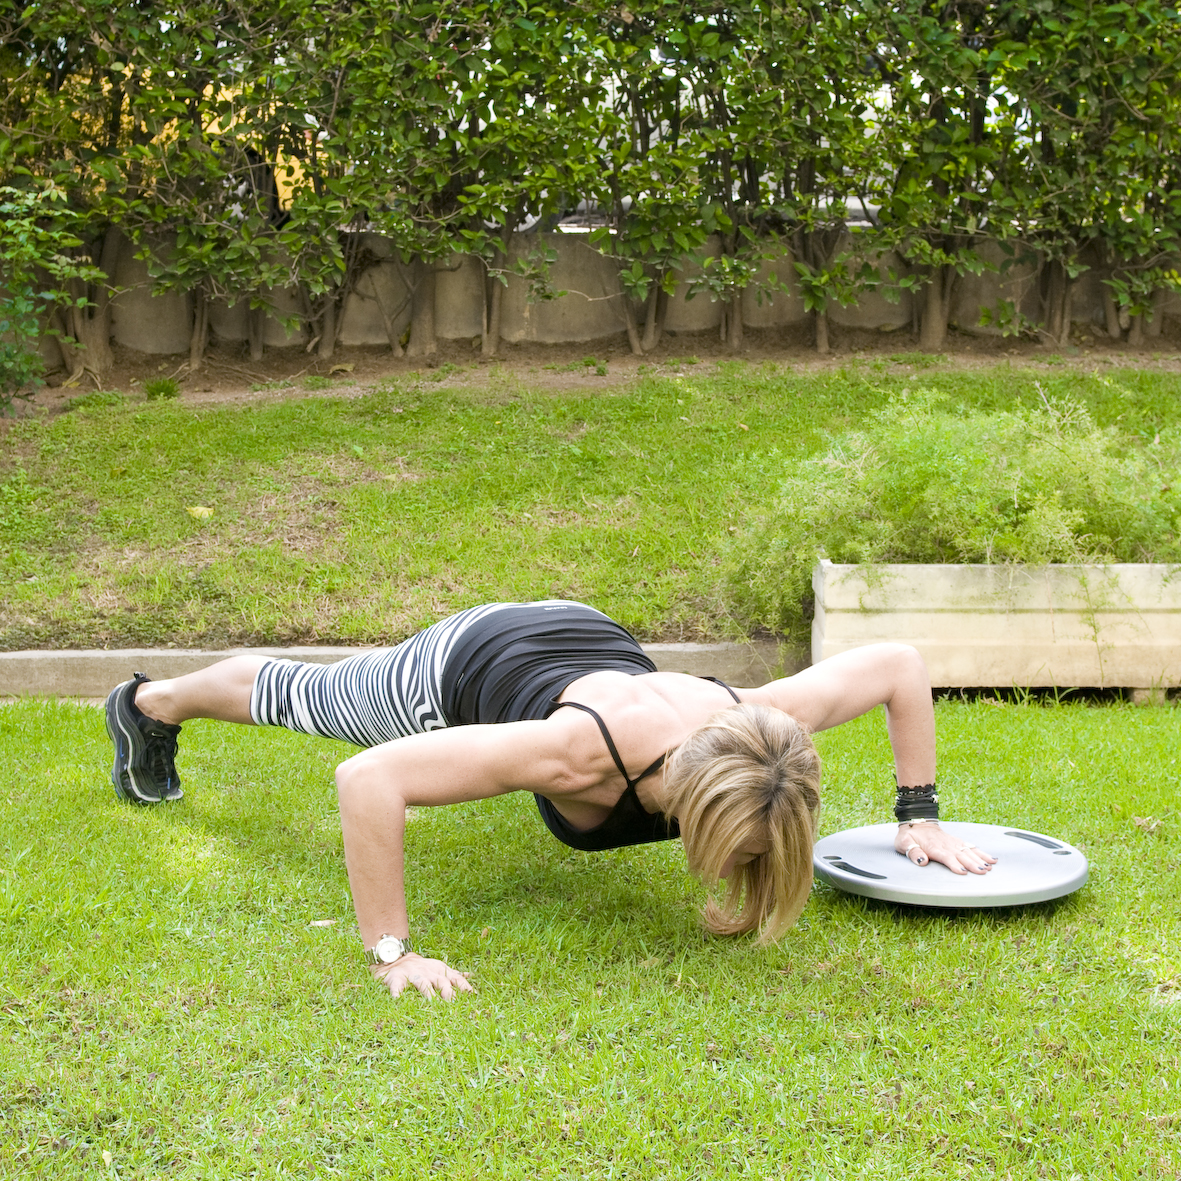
(557,699)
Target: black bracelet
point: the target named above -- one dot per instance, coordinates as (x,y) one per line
(916,803)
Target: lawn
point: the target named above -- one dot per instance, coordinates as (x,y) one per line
(169,1010)
(359,520)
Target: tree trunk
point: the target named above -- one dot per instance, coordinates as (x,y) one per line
(328,329)
(734,323)
(933,331)
(200,335)
(90,327)
(423,342)
(389,318)
(87,346)
(1136,332)
(1156,321)
(633,331)
(256,323)
(495,299)
(654,320)
(950,283)
(1111,314)
(1057,315)
(491,340)
(821,324)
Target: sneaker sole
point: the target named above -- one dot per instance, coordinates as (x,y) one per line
(120,730)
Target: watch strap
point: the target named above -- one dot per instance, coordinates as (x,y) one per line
(380,952)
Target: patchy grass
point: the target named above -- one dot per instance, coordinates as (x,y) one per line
(168,1010)
(361,520)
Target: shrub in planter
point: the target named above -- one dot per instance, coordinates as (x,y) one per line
(923,481)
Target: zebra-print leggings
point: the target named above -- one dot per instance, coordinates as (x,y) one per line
(372,697)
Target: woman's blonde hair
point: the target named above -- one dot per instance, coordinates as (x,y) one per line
(748,776)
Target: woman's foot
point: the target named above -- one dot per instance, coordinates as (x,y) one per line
(144,771)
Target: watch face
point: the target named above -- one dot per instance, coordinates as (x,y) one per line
(389,949)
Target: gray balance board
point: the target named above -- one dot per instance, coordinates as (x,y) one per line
(1030,867)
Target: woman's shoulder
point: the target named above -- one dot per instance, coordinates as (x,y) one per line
(649,702)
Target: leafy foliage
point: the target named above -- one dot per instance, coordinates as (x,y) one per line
(251,145)
(35,268)
(923,481)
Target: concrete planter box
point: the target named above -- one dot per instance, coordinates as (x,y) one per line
(1115,626)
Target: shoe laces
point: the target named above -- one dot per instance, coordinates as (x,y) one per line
(160,752)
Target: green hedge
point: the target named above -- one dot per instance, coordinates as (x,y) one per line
(265,134)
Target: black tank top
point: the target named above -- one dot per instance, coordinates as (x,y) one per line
(628,823)
(510,666)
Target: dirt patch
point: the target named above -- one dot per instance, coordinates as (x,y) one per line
(229,375)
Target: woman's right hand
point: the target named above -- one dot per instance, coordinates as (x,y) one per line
(428,976)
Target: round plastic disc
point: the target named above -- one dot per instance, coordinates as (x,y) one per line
(1030,867)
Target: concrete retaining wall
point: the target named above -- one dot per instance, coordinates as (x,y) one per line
(93,673)
(141,320)
(1029,626)
(592,308)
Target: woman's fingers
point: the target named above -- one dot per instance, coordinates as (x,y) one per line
(972,860)
(925,843)
(429,977)
(915,853)
(906,844)
(967,859)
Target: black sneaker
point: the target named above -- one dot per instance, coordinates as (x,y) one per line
(145,749)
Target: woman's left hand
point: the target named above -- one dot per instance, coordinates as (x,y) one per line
(923,843)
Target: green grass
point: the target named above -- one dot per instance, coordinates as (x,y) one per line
(165,1001)
(361,520)
(161,387)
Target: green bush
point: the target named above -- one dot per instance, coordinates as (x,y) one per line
(36,270)
(20,363)
(923,482)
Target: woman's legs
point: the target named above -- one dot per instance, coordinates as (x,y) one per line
(221,691)
(143,721)
(366,699)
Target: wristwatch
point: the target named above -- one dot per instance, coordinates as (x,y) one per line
(387,949)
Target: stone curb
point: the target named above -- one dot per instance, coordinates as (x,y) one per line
(92,673)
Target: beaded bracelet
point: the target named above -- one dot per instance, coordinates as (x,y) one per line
(916,803)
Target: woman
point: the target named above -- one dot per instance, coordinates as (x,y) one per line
(557,699)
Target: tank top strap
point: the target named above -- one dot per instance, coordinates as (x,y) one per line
(631,783)
(719,681)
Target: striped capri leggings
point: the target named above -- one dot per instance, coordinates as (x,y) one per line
(370,698)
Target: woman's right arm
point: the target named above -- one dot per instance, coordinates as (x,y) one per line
(450,766)
(846,686)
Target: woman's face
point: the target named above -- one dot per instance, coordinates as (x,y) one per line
(743,856)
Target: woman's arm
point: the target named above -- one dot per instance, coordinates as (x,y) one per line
(846,686)
(376,787)
(851,684)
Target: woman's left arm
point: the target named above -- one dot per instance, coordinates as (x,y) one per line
(846,686)
(447,766)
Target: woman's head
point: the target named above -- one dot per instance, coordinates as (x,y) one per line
(749,779)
